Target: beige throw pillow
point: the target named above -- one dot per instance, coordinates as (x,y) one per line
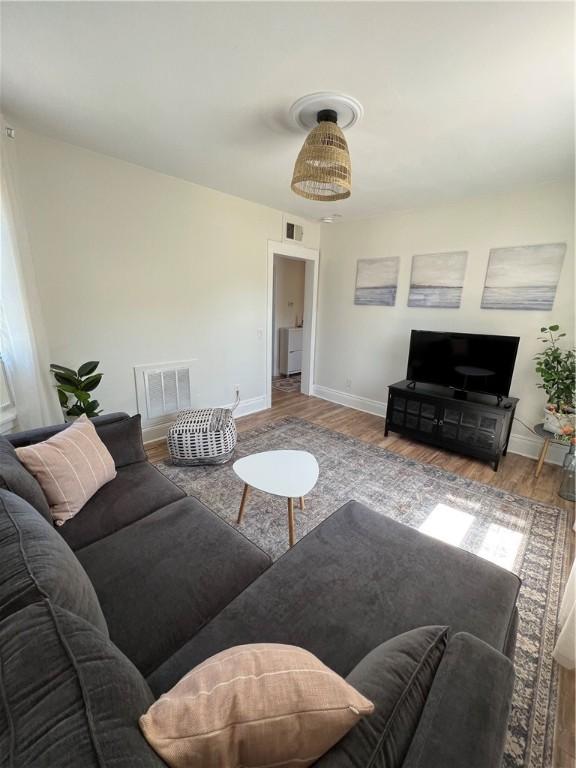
(253,706)
(70,467)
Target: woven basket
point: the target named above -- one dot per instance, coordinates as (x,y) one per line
(204,436)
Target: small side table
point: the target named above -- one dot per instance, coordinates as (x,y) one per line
(548,438)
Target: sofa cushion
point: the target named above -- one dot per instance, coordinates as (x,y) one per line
(397,677)
(36,563)
(356,580)
(15,477)
(136,491)
(69,696)
(163,577)
(465,719)
(70,466)
(123,439)
(32,436)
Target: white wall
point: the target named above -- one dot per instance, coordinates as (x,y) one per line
(368,346)
(288,297)
(136,267)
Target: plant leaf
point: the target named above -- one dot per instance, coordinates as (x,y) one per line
(69,371)
(68,388)
(65,378)
(92,406)
(553,327)
(91,382)
(87,368)
(63,397)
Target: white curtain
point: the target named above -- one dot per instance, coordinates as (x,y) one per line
(565,649)
(23,344)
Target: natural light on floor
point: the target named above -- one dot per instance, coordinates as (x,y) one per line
(447,524)
(500,545)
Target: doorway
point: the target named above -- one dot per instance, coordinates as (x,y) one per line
(291,322)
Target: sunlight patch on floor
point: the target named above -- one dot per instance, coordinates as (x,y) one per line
(501,546)
(447,524)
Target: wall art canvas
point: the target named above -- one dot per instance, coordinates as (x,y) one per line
(437,279)
(377,281)
(524,277)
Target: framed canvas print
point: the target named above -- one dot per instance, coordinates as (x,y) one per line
(437,279)
(376,281)
(523,277)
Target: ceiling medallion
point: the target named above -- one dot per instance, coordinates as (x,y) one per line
(323,169)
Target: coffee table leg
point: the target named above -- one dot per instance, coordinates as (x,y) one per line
(243,502)
(291,522)
(301,502)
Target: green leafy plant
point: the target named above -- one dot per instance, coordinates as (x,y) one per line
(74,388)
(556,368)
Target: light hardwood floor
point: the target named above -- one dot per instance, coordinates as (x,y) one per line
(516,474)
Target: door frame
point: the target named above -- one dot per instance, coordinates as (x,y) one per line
(311,256)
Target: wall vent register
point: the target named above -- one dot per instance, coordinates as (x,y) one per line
(163,389)
(294,231)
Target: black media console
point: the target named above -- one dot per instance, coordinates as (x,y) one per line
(478,425)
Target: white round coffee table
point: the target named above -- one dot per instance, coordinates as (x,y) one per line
(292,474)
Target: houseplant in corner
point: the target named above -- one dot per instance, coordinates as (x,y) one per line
(555,366)
(74,388)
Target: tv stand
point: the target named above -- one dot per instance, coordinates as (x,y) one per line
(477,425)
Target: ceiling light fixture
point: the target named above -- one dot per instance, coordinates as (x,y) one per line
(323,169)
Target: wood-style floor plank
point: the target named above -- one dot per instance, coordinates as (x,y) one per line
(516,474)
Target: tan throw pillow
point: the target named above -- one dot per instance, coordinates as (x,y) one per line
(70,467)
(253,706)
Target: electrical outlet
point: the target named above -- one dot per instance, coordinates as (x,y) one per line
(348,383)
(259,333)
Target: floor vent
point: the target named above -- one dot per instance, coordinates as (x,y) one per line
(163,389)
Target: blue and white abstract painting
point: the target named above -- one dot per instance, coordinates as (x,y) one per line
(377,281)
(524,277)
(437,279)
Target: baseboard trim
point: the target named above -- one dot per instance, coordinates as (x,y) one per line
(524,445)
(365,404)
(530,446)
(157,432)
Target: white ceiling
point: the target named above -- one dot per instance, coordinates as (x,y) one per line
(460,98)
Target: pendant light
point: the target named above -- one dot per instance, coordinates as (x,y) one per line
(323,170)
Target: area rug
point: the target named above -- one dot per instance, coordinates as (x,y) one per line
(529,538)
(287,383)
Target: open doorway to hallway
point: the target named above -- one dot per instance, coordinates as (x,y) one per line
(291,319)
(287,324)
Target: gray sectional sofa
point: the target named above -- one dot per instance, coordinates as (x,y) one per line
(102,615)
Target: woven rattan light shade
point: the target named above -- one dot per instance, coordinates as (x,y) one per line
(322,170)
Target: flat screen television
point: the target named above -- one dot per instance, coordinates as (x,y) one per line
(468,362)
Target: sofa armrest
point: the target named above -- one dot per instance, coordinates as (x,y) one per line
(465,718)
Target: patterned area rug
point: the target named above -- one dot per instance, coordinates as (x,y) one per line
(287,383)
(523,535)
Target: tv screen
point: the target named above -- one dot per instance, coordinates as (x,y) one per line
(465,361)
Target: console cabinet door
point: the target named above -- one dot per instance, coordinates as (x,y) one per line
(470,426)
(414,414)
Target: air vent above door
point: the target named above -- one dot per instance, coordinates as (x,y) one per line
(163,389)
(294,231)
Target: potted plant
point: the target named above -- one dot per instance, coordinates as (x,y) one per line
(555,366)
(74,388)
